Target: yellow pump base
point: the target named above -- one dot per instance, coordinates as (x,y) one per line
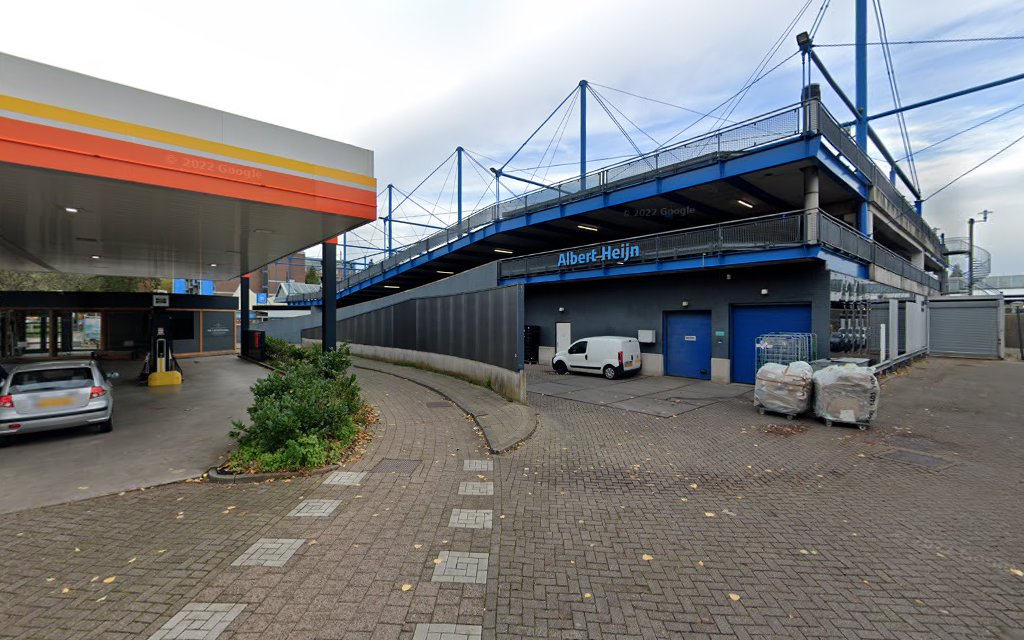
(164,378)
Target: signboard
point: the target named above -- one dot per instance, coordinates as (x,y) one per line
(161,300)
(261,298)
(621,253)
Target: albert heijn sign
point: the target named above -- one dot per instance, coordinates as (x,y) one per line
(622,252)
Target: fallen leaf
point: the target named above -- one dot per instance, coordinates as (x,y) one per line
(700,563)
(1017,572)
(161,550)
(50,579)
(804,551)
(82,488)
(693,485)
(588,595)
(417,546)
(734,597)
(406,586)
(77,549)
(647,557)
(65,590)
(709,514)
(101,599)
(109,580)
(685,499)
(94,579)
(312,542)
(132,560)
(437,560)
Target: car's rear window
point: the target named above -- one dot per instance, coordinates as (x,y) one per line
(51,379)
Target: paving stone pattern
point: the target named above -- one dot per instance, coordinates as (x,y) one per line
(446,632)
(607,523)
(199,621)
(471,518)
(269,552)
(314,508)
(478,465)
(345,478)
(476,489)
(456,566)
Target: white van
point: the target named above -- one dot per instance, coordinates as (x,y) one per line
(610,356)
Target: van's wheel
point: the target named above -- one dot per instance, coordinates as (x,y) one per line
(105,427)
(561,369)
(609,372)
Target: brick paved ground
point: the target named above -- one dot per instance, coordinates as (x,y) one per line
(606,524)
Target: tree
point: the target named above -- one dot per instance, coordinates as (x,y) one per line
(312,277)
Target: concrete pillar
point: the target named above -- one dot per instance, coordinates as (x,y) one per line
(917,259)
(243,308)
(329,295)
(893,335)
(812,190)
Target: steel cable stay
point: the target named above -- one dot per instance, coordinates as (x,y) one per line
(932,41)
(546,120)
(819,18)
(615,121)
(968,129)
(975,167)
(765,61)
(559,130)
(602,99)
(894,89)
(558,144)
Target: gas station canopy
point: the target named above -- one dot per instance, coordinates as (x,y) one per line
(100,178)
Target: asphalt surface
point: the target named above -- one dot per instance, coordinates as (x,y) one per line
(161,434)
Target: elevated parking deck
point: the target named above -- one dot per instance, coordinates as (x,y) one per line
(792,137)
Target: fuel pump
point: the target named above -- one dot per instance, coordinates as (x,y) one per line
(162,367)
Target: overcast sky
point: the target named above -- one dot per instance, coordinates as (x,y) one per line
(413,80)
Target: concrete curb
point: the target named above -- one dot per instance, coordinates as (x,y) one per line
(504,428)
(231,478)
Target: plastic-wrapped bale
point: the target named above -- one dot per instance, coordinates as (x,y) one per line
(783,389)
(846,393)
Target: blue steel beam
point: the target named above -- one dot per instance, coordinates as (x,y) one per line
(861,96)
(583,134)
(783,153)
(460,151)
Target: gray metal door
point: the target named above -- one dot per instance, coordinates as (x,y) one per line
(966,326)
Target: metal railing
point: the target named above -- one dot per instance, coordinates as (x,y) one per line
(781,230)
(883,192)
(786,123)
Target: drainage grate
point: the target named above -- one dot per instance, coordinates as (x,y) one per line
(393,465)
(438,405)
(916,459)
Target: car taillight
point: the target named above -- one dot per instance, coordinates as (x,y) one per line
(6,402)
(620,358)
(96,392)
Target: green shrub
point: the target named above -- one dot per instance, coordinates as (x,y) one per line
(281,353)
(303,417)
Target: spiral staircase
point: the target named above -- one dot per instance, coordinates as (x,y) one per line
(957,251)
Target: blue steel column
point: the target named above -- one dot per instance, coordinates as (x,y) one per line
(459,177)
(391,224)
(329,296)
(861,68)
(344,256)
(243,312)
(583,134)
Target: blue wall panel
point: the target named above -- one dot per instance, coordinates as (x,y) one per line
(749,322)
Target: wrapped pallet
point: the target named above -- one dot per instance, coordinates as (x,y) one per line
(846,393)
(784,389)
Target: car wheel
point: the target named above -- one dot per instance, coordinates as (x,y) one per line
(105,427)
(610,372)
(561,369)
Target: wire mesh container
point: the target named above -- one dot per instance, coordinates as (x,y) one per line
(785,348)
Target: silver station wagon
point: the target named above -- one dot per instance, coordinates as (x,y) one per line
(55,395)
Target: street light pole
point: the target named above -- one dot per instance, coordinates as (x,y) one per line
(970,249)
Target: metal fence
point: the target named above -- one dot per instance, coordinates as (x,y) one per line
(790,229)
(485,326)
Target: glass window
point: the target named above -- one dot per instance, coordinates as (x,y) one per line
(579,347)
(51,379)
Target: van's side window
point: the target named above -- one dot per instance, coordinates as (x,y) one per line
(579,347)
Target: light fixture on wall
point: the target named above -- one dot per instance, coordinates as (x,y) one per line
(728,276)
(586,227)
(71,209)
(391,286)
(745,203)
(764,292)
(685,303)
(561,309)
(507,251)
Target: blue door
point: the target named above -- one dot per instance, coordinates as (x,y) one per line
(749,322)
(688,344)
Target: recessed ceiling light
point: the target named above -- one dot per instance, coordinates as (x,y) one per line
(586,227)
(213,264)
(745,204)
(95,257)
(447,273)
(391,286)
(71,209)
(503,251)
(262,231)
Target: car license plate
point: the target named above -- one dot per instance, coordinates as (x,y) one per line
(48,403)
